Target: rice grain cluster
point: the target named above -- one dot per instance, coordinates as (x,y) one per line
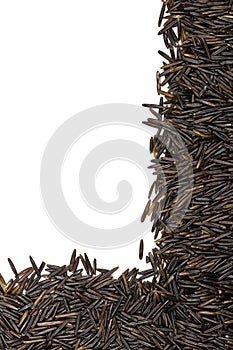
(184,300)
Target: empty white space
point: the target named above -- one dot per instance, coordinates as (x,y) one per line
(59,58)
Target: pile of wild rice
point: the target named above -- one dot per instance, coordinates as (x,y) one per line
(199,105)
(189,303)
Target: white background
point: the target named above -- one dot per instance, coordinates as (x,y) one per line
(58,58)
